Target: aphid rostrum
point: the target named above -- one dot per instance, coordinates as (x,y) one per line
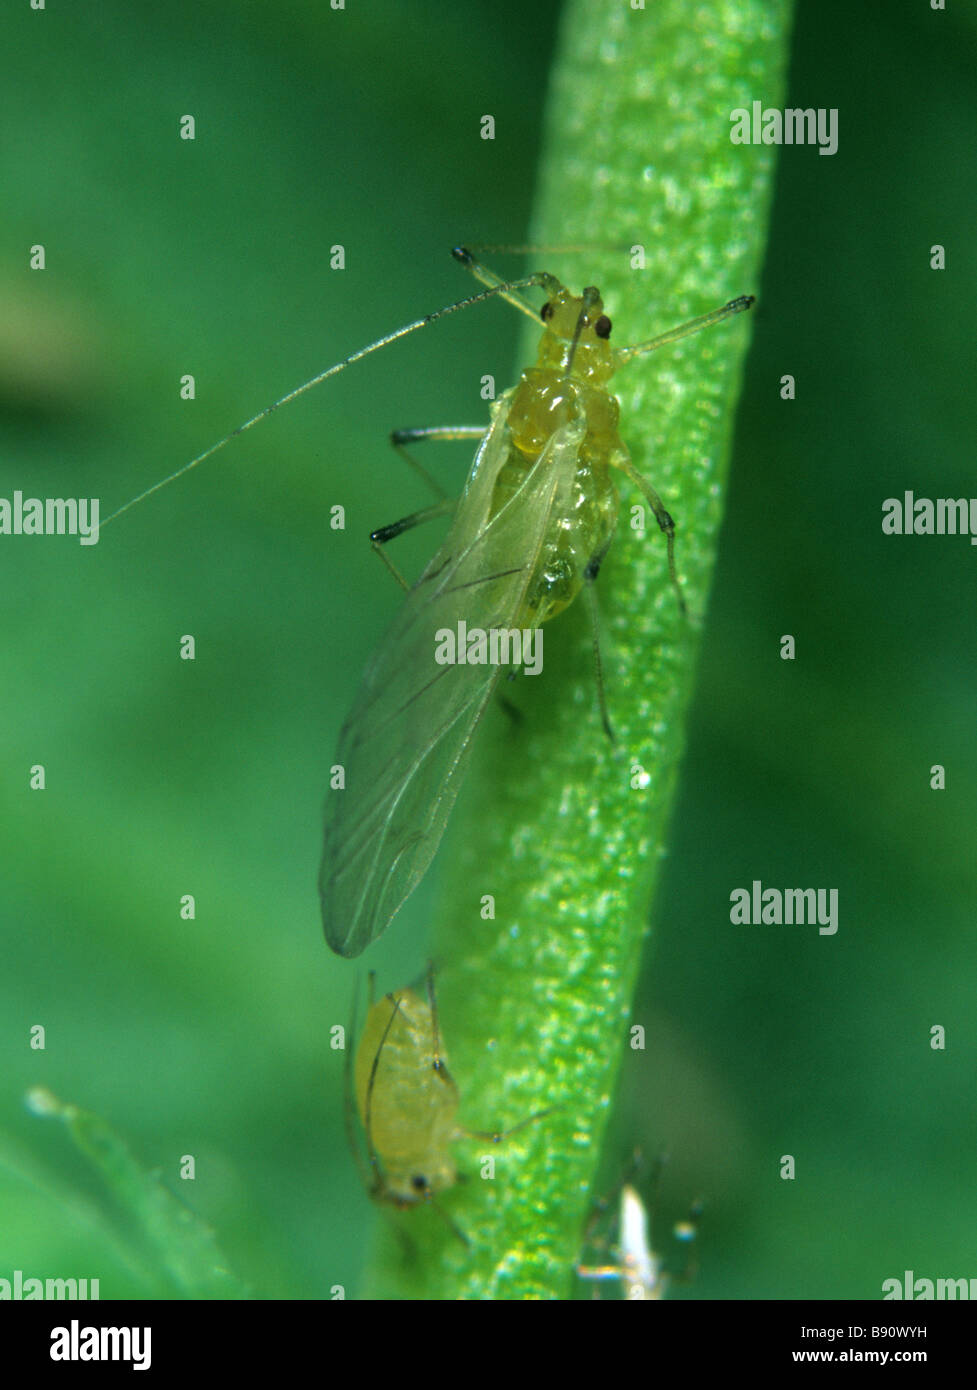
(407,1101)
(528,533)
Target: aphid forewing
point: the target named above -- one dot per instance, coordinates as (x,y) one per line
(405,744)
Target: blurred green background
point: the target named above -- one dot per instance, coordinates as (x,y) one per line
(211,1037)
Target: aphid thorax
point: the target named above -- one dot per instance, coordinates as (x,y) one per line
(563,398)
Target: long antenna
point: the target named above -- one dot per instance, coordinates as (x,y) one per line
(504,288)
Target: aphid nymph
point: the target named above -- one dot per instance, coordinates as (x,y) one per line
(407,1101)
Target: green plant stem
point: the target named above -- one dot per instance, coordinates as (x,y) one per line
(562,829)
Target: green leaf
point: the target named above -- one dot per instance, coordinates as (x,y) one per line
(179,1254)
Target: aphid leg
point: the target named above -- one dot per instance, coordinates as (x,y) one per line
(590,573)
(398,438)
(625,354)
(664,520)
(443,507)
(596,1237)
(599,1244)
(449,1221)
(493,1136)
(496,1136)
(437,1061)
(383,534)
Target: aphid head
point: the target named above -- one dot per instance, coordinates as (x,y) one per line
(401,1192)
(404,1188)
(576,340)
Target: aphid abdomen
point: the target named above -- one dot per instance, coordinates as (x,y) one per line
(583,531)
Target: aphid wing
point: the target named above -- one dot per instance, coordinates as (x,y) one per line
(405,744)
(476,497)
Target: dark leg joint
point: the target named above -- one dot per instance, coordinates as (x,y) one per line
(387,533)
